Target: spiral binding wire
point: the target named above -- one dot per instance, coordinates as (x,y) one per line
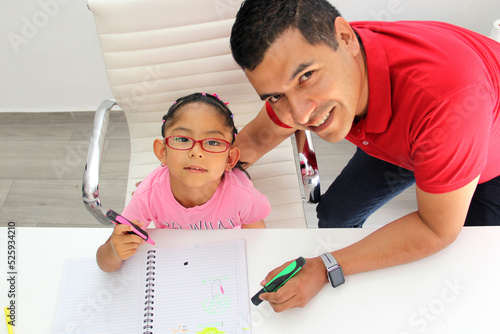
(149,298)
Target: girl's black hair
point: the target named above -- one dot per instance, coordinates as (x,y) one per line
(226,115)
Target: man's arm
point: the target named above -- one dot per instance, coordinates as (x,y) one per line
(434,226)
(260,136)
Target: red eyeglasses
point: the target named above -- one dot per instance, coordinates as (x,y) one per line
(183,143)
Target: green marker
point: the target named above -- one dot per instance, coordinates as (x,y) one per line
(280,279)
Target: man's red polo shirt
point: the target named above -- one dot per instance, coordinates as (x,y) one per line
(433,102)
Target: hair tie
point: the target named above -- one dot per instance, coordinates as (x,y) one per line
(217,96)
(203,94)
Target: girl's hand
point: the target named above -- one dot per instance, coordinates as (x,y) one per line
(125,244)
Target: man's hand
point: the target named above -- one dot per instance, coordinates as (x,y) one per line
(299,289)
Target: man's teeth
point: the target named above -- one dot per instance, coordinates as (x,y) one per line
(323,120)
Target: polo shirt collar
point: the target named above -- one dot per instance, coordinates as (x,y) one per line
(379,84)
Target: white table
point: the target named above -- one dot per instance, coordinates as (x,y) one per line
(454,291)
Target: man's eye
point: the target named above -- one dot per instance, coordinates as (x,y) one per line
(305,76)
(275,98)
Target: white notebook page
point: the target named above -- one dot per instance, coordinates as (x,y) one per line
(203,290)
(198,289)
(92,301)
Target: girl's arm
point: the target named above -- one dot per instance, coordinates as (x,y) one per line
(120,246)
(259,224)
(107,258)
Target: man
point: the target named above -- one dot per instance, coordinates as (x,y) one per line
(419,99)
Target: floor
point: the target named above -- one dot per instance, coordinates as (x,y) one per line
(41,169)
(44,155)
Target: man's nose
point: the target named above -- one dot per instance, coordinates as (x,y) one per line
(301,108)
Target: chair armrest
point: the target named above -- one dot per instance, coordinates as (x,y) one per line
(308,166)
(90,184)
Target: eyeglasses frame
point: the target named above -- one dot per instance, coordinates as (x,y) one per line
(228,144)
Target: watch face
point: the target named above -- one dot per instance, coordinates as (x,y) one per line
(337,277)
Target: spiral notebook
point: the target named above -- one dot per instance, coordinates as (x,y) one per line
(194,289)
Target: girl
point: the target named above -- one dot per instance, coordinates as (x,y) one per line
(199,185)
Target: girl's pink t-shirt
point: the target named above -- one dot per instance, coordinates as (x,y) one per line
(235,202)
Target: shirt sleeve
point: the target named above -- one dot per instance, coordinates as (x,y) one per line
(258,208)
(451,147)
(137,208)
(272,115)
(254,206)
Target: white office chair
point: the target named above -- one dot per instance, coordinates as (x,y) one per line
(158,50)
(495,31)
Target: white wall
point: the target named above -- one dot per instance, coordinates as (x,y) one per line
(50,55)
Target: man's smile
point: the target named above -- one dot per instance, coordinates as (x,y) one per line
(323,122)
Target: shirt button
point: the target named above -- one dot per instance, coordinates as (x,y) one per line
(365,143)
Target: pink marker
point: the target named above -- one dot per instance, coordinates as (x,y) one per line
(116,219)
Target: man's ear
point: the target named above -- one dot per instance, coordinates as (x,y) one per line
(160,150)
(345,34)
(232,159)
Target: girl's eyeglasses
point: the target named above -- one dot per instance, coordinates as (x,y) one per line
(183,143)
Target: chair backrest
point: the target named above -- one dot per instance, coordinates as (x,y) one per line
(158,50)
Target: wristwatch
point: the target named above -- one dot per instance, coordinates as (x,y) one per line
(333,269)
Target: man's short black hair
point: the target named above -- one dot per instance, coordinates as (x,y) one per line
(260,22)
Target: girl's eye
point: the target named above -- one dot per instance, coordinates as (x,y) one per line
(212,142)
(181,139)
(305,76)
(275,98)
